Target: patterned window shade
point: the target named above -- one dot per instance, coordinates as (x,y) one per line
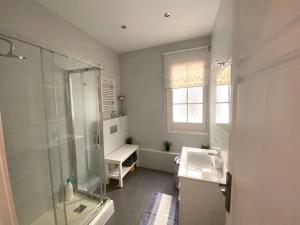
(186,69)
(224,76)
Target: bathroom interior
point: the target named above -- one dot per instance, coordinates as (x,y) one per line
(149,112)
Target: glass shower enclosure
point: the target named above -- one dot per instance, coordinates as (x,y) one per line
(52,126)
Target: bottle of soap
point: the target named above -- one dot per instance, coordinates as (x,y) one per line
(69,189)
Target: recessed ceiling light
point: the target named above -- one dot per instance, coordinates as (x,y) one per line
(167,15)
(124,27)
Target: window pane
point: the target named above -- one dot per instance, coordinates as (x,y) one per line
(179,95)
(195,95)
(222,93)
(179,113)
(222,113)
(195,112)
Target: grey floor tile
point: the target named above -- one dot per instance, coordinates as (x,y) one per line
(131,200)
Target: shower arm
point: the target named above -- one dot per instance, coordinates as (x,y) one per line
(12,47)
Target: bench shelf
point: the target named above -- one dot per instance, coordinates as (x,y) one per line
(117,157)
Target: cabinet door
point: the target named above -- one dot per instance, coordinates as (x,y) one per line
(7,208)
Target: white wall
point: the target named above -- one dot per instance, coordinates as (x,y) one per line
(29,20)
(113,141)
(145,103)
(221,50)
(265,158)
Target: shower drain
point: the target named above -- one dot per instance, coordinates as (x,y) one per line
(80,208)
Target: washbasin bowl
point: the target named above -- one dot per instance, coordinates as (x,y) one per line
(199,161)
(197,164)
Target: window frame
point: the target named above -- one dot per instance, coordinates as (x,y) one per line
(224,102)
(187,128)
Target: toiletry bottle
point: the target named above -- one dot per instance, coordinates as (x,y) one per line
(69,189)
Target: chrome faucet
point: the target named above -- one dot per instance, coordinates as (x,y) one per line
(218,152)
(218,161)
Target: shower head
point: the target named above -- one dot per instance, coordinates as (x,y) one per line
(12,55)
(11,52)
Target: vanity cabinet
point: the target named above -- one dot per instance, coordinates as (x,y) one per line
(200,203)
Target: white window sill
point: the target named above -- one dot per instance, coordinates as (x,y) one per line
(226,125)
(187,132)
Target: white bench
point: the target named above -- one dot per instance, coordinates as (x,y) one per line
(117,157)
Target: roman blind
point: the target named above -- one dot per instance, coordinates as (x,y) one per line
(184,69)
(224,76)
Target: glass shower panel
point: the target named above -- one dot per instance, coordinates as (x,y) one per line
(53,133)
(86,125)
(78,115)
(92,123)
(25,134)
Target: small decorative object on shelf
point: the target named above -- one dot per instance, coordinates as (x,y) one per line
(128,140)
(121,98)
(167,145)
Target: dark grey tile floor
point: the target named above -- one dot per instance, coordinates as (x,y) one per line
(131,200)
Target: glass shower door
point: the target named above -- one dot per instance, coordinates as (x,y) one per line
(86,126)
(94,153)
(78,124)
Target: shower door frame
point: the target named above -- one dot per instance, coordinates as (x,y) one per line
(102,197)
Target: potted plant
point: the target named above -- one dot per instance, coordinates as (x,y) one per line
(205,146)
(167,145)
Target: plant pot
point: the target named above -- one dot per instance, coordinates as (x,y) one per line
(128,141)
(167,148)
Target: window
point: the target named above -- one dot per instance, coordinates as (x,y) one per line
(187,105)
(223,95)
(185,75)
(187,110)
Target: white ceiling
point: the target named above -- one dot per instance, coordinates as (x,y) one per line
(146,25)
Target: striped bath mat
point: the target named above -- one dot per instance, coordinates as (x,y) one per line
(162,209)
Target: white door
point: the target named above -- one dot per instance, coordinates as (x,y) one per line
(7,208)
(265,153)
